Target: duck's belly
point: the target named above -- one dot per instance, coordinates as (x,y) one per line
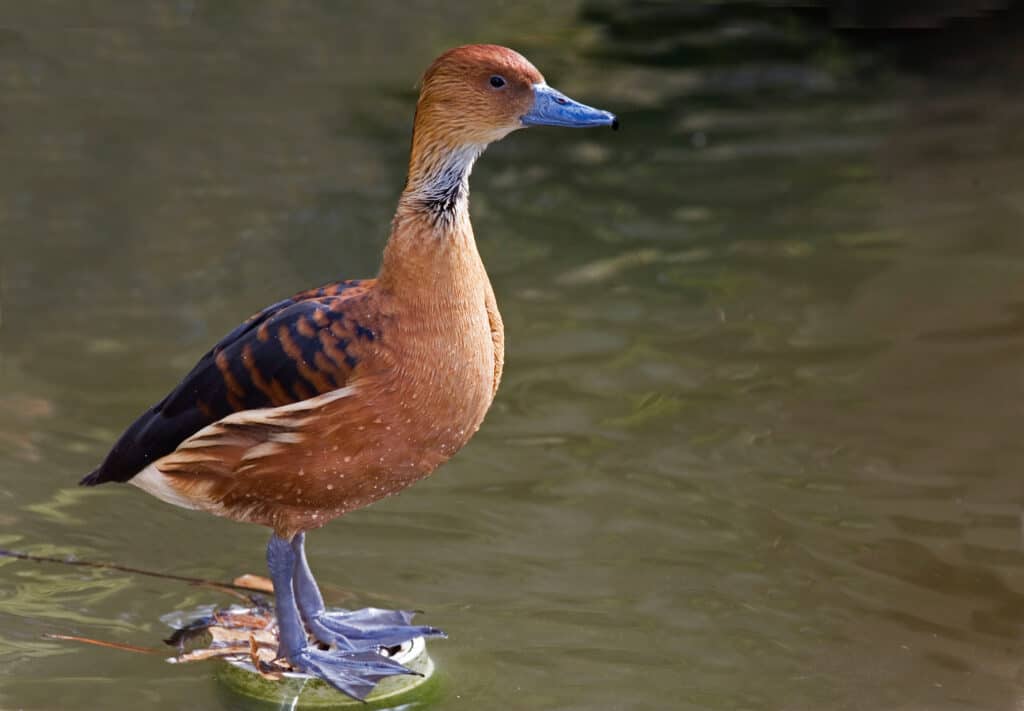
(380,443)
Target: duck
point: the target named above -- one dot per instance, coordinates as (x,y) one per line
(341,395)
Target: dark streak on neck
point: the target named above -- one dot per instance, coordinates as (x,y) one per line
(442,190)
(442,198)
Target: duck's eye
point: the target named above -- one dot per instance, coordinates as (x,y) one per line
(497,81)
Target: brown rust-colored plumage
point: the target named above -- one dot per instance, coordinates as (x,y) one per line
(418,393)
(338,396)
(344,394)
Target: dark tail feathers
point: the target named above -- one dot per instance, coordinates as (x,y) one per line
(91,479)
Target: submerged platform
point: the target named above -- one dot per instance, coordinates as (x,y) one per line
(301,691)
(244,642)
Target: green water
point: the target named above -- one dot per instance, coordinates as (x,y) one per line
(757,446)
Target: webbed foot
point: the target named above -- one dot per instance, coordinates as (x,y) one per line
(355,666)
(367,629)
(352,673)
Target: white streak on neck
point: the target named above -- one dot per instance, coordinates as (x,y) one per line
(442,188)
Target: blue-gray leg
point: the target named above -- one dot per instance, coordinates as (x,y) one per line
(352,672)
(281,563)
(353,630)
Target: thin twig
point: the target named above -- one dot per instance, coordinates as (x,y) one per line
(102,643)
(128,569)
(234,591)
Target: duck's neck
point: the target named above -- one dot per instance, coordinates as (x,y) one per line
(431,236)
(438,182)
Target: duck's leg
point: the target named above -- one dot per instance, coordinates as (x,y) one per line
(353,672)
(353,630)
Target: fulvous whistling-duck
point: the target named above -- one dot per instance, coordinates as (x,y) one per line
(338,396)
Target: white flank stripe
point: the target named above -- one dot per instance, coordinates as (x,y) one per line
(315,402)
(263,449)
(152,481)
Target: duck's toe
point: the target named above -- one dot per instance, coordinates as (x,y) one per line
(352,673)
(368,629)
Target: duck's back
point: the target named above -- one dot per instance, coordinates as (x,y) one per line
(292,350)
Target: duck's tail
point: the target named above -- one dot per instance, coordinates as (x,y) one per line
(92,478)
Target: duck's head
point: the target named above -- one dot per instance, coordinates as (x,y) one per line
(477,94)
